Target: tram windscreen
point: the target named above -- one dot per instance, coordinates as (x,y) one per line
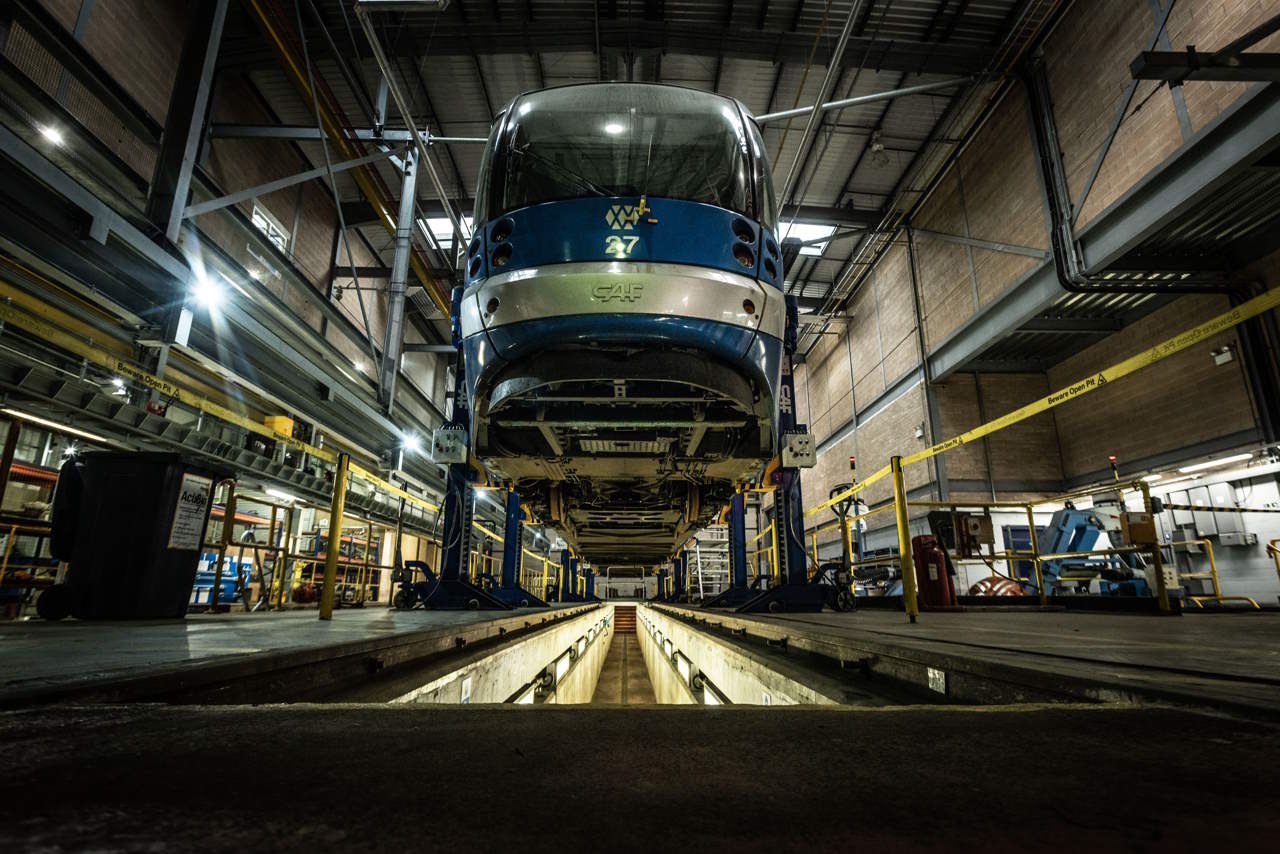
(624,140)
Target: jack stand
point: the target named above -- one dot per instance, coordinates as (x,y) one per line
(451,592)
(589,585)
(795,593)
(661,594)
(738,593)
(680,574)
(509,589)
(569,577)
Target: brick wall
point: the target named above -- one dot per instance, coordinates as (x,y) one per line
(1178,402)
(1087,60)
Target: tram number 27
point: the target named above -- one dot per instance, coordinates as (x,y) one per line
(619,246)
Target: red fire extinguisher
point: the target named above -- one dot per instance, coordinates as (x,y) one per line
(936,588)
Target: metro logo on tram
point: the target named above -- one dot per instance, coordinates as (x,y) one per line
(618,292)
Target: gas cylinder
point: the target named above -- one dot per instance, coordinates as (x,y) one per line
(936,588)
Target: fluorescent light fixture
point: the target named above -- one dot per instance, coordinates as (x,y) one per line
(666,644)
(807,231)
(709,697)
(613,128)
(52,134)
(562,666)
(117,382)
(54,425)
(1152,478)
(526,696)
(207,292)
(582,645)
(1213,464)
(440,228)
(282,495)
(683,667)
(657,635)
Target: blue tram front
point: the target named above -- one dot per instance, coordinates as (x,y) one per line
(623,313)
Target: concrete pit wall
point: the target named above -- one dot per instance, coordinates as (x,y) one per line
(497,677)
(735,674)
(668,685)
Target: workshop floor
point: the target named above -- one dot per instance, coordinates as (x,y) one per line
(39,654)
(1230,660)
(624,679)
(643,779)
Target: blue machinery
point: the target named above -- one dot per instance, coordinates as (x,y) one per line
(1072,530)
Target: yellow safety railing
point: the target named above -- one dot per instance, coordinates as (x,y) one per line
(771,550)
(1212,575)
(1036,558)
(14,531)
(1273,549)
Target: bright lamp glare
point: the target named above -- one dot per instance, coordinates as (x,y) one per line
(207,292)
(1213,464)
(412,443)
(614,128)
(52,134)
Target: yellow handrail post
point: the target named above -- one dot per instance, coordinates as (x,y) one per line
(8,549)
(1157,557)
(905,559)
(282,558)
(335,537)
(1275,555)
(1035,559)
(815,546)
(228,525)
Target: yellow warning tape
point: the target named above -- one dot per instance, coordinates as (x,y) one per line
(13,316)
(1239,314)
(1217,508)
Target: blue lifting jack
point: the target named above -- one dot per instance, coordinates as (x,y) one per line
(738,592)
(450,591)
(795,592)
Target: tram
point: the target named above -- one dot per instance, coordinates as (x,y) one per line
(622,319)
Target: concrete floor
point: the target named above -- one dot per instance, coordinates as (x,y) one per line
(644,779)
(1228,662)
(43,658)
(624,680)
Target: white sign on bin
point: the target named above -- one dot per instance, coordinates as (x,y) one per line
(190,513)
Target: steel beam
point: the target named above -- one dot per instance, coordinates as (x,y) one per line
(1011,248)
(303,133)
(1176,66)
(279,184)
(393,337)
(188,109)
(1233,142)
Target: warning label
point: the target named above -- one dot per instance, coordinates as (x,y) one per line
(190,513)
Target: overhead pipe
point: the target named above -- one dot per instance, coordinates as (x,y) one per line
(336,128)
(859,100)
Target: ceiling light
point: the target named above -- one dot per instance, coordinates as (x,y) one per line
(118,382)
(1211,464)
(412,443)
(54,425)
(207,292)
(1152,478)
(807,232)
(282,495)
(52,134)
(614,128)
